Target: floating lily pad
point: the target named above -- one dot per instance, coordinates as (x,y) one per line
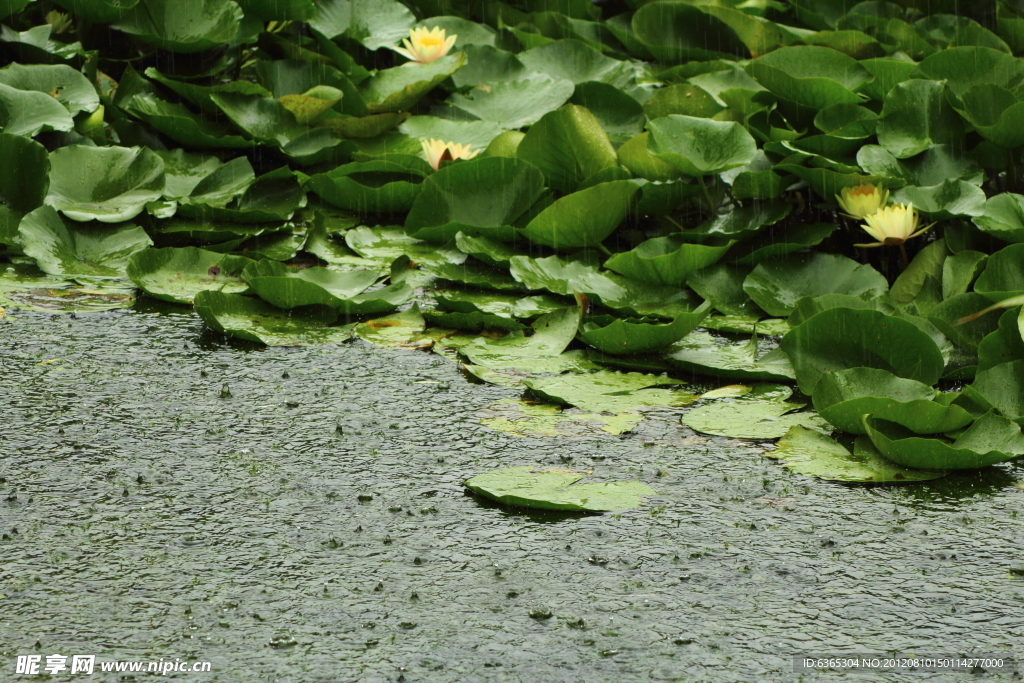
(373,186)
(63,248)
(541,420)
(702,353)
(27,112)
(1003,276)
(991,439)
(585,218)
(844,397)
(1003,217)
(1002,386)
(550,490)
(288,287)
(398,89)
(389,243)
(552,333)
(109,184)
(808,451)
(699,147)
(399,330)
(812,76)
(843,338)
(778,284)
(255,320)
(179,274)
(515,103)
(762,413)
(630,336)
(568,146)
(482,196)
(471,321)
(605,391)
(916,115)
(66,85)
(665,260)
(28,288)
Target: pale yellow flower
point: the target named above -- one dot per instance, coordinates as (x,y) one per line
(892,225)
(437,151)
(424,46)
(863,200)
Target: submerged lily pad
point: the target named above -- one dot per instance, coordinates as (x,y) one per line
(605,391)
(762,413)
(990,440)
(550,490)
(29,289)
(255,320)
(542,420)
(844,397)
(179,274)
(808,451)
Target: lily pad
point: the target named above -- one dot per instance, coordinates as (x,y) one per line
(552,333)
(665,260)
(63,248)
(273,197)
(373,186)
(949,199)
(777,285)
(584,218)
(550,490)
(630,336)
(542,420)
(991,439)
(515,103)
(1003,276)
(26,112)
(399,88)
(808,451)
(605,391)
(28,288)
(182,25)
(1003,217)
(763,413)
(255,320)
(59,81)
(844,397)
(704,354)
(568,146)
(1002,386)
(108,184)
(398,330)
(481,196)
(915,116)
(811,76)
(843,338)
(179,274)
(26,189)
(289,287)
(699,147)
(390,243)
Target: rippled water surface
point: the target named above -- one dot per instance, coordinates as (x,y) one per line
(297,514)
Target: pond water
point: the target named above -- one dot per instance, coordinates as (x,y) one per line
(297,514)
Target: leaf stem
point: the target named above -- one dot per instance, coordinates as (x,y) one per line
(707,195)
(604,249)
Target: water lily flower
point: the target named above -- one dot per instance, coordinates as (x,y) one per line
(437,151)
(893,225)
(863,200)
(424,46)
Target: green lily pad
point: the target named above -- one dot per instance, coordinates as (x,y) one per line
(29,289)
(947,315)
(398,330)
(479,196)
(1003,217)
(699,147)
(812,76)
(584,218)
(808,451)
(59,81)
(273,197)
(27,112)
(576,61)
(844,397)
(373,186)
(990,440)
(778,284)
(398,89)
(108,184)
(288,287)
(763,413)
(182,25)
(550,490)
(222,185)
(181,125)
(515,103)
(25,190)
(1004,344)
(1003,276)
(199,95)
(949,199)
(722,285)
(63,248)
(568,146)
(255,320)
(552,333)
(665,260)
(782,242)
(475,275)
(471,321)
(567,277)
(374,23)
(390,243)
(631,336)
(540,420)
(968,66)
(677,32)
(605,391)
(490,252)
(635,156)
(183,171)
(915,116)
(477,134)
(179,274)
(843,338)
(704,354)
(932,167)
(1002,386)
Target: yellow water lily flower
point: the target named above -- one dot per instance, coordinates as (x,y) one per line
(437,151)
(424,46)
(892,225)
(863,200)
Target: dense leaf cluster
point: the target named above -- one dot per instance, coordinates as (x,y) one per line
(642,169)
